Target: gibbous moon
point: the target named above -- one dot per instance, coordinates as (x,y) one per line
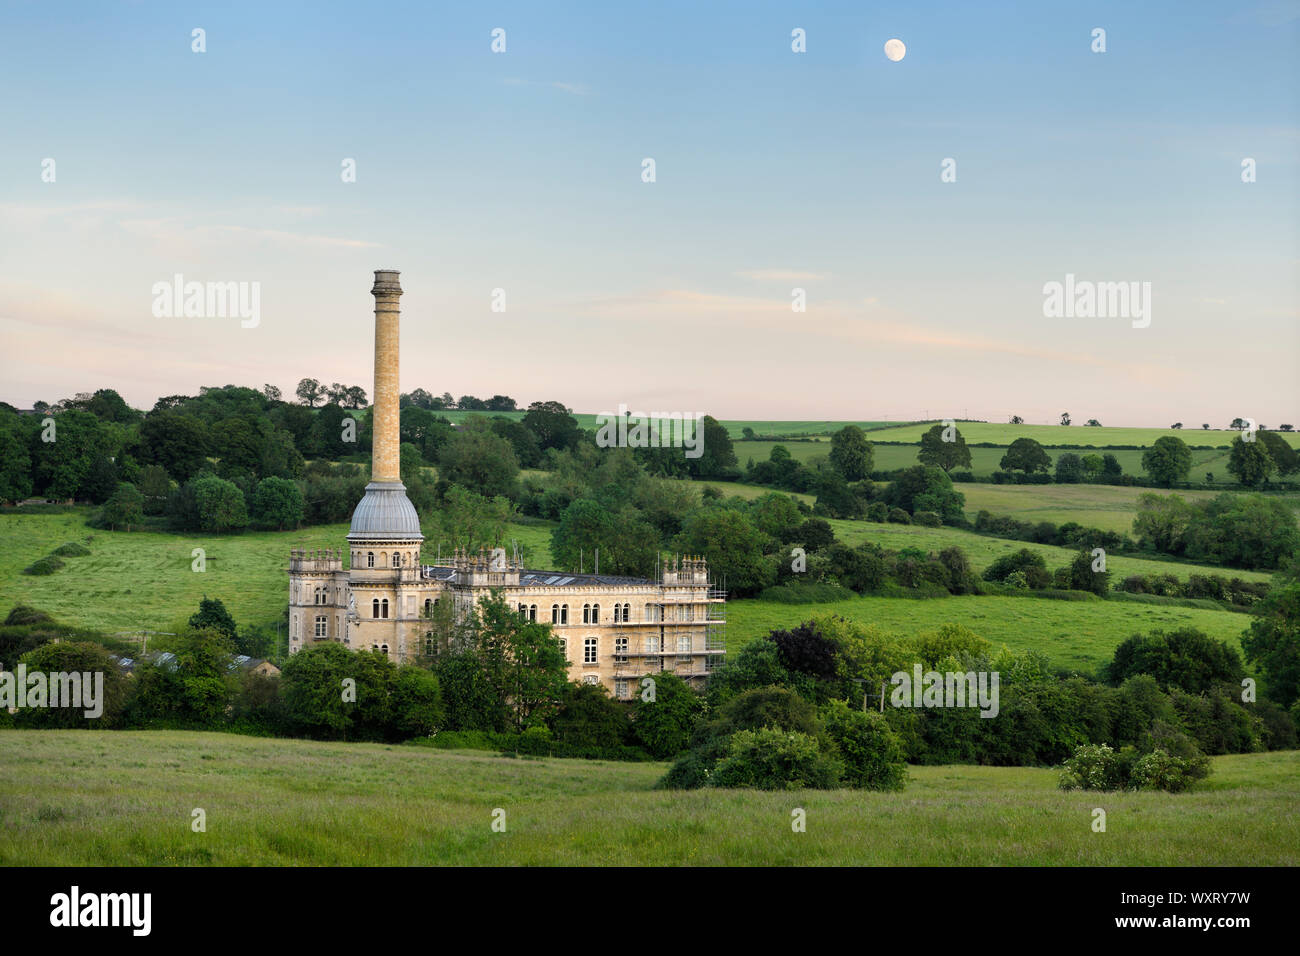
(895,50)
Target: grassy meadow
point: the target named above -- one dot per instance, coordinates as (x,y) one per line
(1078,635)
(1078,434)
(103,798)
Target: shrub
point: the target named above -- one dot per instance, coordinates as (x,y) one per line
(927,519)
(771,759)
(1159,770)
(899,516)
(878,511)
(71,550)
(1092,767)
(46,565)
(872,754)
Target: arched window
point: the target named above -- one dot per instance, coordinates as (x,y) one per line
(523,611)
(586,614)
(532,612)
(384,648)
(595,614)
(564,614)
(397,559)
(627,613)
(555,614)
(383,607)
(374,608)
(370,559)
(428,606)
(564,647)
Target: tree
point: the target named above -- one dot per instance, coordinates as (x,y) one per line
(1084,578)
(1017,420)
(1167,461)
(1065,418)
(272,392)
(943,454)
(851,453)
(175,441)
(1176,425)
(589,718)
(15,463)
(1184,658)
(1205,426)
(277,504)
(1070,469)
(470,521)
(1162,521)
(922,488)
(553,424)
(1272,645)
(310,391)
(124,508)
(1286,428)
(76,658)
(872,754)
(478,459)
(1250,462)
(718,455)
(1027,455)
(1280,450)
(732,545)
(219,504)
(663,723)
(1092,423)
(520,659)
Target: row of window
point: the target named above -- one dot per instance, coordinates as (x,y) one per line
(653,644)
(399,560)
(622,613)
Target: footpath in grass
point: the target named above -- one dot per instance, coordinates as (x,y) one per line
(109,798)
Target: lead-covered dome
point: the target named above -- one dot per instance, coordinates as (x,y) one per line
(385,513)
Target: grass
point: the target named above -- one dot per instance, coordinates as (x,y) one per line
(982,550)
(145,579)
(1075,635)
(1078,434)
(106,798)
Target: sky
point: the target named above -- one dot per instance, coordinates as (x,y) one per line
(774,170)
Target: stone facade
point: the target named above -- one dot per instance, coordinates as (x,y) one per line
(379,595)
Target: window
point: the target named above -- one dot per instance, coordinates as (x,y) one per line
(383,607)
(532,612)
(428,607)
(374,608)
(590,647)
(592,679)
(595,614)
(586,614)
(621,689)
(555,614)
(523,610)
(649,612)
(684,644)
(564,614)
(620,648)
(651,645)
(370,559)
(690,612)
(322,626)
(397,559)
(564,647)
(627,613)
(384,648)
(430,648)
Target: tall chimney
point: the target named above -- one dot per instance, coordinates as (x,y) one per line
(386,455)
(384,514)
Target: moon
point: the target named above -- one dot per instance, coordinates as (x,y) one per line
(895,50)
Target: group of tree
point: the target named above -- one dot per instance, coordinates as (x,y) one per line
(1239,531)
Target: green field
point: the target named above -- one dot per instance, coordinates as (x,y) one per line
(1077,635)
(145,579)
(984,461)
(982,550)
(117,798)
(1071,435)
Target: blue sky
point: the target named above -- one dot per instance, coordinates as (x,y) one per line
(521,171)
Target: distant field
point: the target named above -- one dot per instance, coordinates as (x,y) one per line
(110,798)
(984,461)
(145,580)
(1071,435)
(1073,634)
(982,550)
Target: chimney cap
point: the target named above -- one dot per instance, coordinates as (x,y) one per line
(386,281)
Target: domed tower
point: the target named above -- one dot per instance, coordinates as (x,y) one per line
(385,539)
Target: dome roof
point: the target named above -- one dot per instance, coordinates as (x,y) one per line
(385,513)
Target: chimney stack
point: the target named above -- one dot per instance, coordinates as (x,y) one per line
(386,460)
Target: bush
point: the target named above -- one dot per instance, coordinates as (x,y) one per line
(1161,771)
(71,550)
(899,516)
(871,752)
(878,511)
(927,519)
(1093,767)
(771,759)
(46,565)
